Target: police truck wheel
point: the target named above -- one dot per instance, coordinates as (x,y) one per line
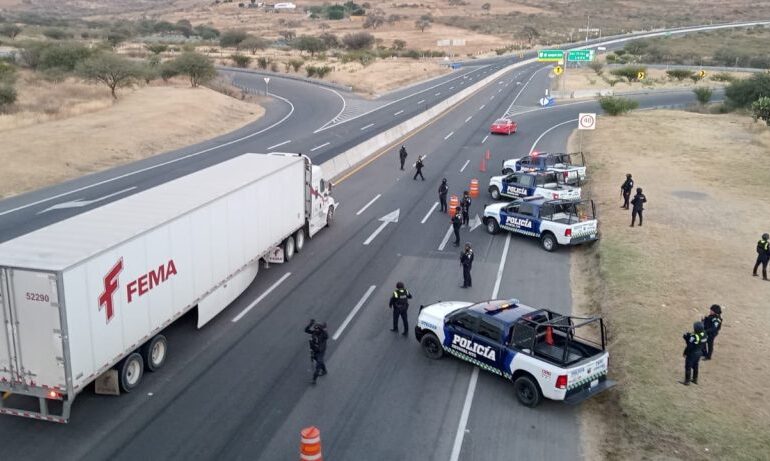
(288,249)
(330,216)
(130,372)
(492,226)
(299,240)
(527,391)
(431,346)
(495,192)
(507,171)
(548,241)
(154,353)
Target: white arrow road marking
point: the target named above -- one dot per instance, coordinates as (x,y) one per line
(81,203)
(368,204)
(278,145)
(387,219)
(318,147)
(464,165)
(446,239)
(261,297)
(475,222)
(429,212)
(353,313)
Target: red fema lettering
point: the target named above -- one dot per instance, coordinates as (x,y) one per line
(150,280)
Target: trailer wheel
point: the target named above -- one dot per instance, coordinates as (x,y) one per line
(548,241)
(492,226)
(288,248)
(330,216)
(527,391)
(299,240)
(431,346)
(495,192)
(131,370)
(154,353)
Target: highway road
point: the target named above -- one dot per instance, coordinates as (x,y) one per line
(239,388)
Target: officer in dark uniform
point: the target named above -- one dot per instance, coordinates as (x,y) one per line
(466,259)
(625,190)
(318,338)
(712,324)
(465,205)
(457,222)
(418,164)
(763,255)
(402,156)
(399,302)
(443,189)
(692,352)
(638,206)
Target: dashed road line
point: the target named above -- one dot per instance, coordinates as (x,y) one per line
(427,215)
(468,119)
(278,145)
(464,165)
(262,296)
(398,113)
(319,147)
(420,101)
(367,126)
(446,239)
(355,310)
(368,204)
(485,139)
(448,136)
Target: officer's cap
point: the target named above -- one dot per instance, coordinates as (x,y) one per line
(765,236)
(698,327)
(716,308)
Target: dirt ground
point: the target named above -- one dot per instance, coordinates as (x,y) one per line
(706,181)
(88,132)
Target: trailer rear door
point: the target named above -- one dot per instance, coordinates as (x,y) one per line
(31,348)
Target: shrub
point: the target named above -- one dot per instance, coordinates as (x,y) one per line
(10,30)
(330,40)
(63,56)
(56,34)
(358,40)
(335,12)
(296,64)
(109,69)
(197,67)
(308,43)
(596,66)
(703,94)
(232,38)
(742,93)
(629,72)
(318,71)
(253,44)
(761,109)
(7,73)
(695,78)
(616,106)
(722,77)
(374,19)
(262,63)
(206,32)
(679,74)
(612,57)
(156,48)
(399,44)
(7,95)
(168,70)
(240,60)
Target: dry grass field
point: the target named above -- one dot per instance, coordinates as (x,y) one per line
(705,178)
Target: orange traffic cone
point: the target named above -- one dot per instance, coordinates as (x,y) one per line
(488,155)
(310,444)
(474,189)
(483,166)
(454,202)
(549,336)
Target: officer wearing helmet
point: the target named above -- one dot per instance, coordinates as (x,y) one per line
(693,351)
(763,255)
(712,323)
(625,190)
(637,204)
(399,302)
(443,189)
(318,338)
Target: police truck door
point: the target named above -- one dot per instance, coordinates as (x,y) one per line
(490,335)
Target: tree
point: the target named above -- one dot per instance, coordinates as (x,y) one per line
(115,37)
(308,43)
(156,48)
(531,33)
(399,44)
(240,60)
(617,106)
(197,67)
(358,40)
(206,32)
(422,24)
(110,69)
(374,19)
(232,38)
(335,12)
(253,44)
(703,95)
(760,109)
(10,30)
(486,7)
(679,74)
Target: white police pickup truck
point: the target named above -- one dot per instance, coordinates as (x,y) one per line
(530,183)
(571,167)
(536,349)
(554,222)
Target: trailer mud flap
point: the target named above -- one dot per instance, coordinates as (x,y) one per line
(216,301)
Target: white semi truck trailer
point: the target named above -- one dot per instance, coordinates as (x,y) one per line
(87,298)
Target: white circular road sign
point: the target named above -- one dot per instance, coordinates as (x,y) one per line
(587,121)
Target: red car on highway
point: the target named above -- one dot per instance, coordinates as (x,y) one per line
(503,126)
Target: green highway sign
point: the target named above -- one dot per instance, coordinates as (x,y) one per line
(580,55)
(550,55)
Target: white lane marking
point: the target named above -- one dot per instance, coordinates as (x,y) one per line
(451,88)
(169,162)
(500,90)
(448,136)
(427,215)
(437,94)
(367,126)
(344,105)
(368,204)
(353,313)
(82,203)
(508,110)
(460,434)
(420,101)
(482,107)
(468,119)
(278,145)
(398,113)
(485,139)
(319,147)
(446,239)
(547,131)
(261,297)
(464,165)
(492,97)
(387,219)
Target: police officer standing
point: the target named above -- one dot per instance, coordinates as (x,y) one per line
(457,222)
(318,338)
(638,206)
(692,352)
(418,164)
(465,205)
(443,189)
(625,190)
(466,259)
(712,324)
(402,156)
(763,255)
(400,304)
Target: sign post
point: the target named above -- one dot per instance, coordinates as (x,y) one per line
(586,121)
(267,80)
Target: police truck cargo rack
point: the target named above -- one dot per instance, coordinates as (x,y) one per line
(571,166)
(554,222)
(540,351)
(87,298)
(546,184)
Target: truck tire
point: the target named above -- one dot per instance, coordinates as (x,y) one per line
(288,248)
(507,171)
(330,216)
(431,346)
(154,353)
(130,372)
(299,240)
(548,240)
(494,192)
(527,391)
(492,226)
